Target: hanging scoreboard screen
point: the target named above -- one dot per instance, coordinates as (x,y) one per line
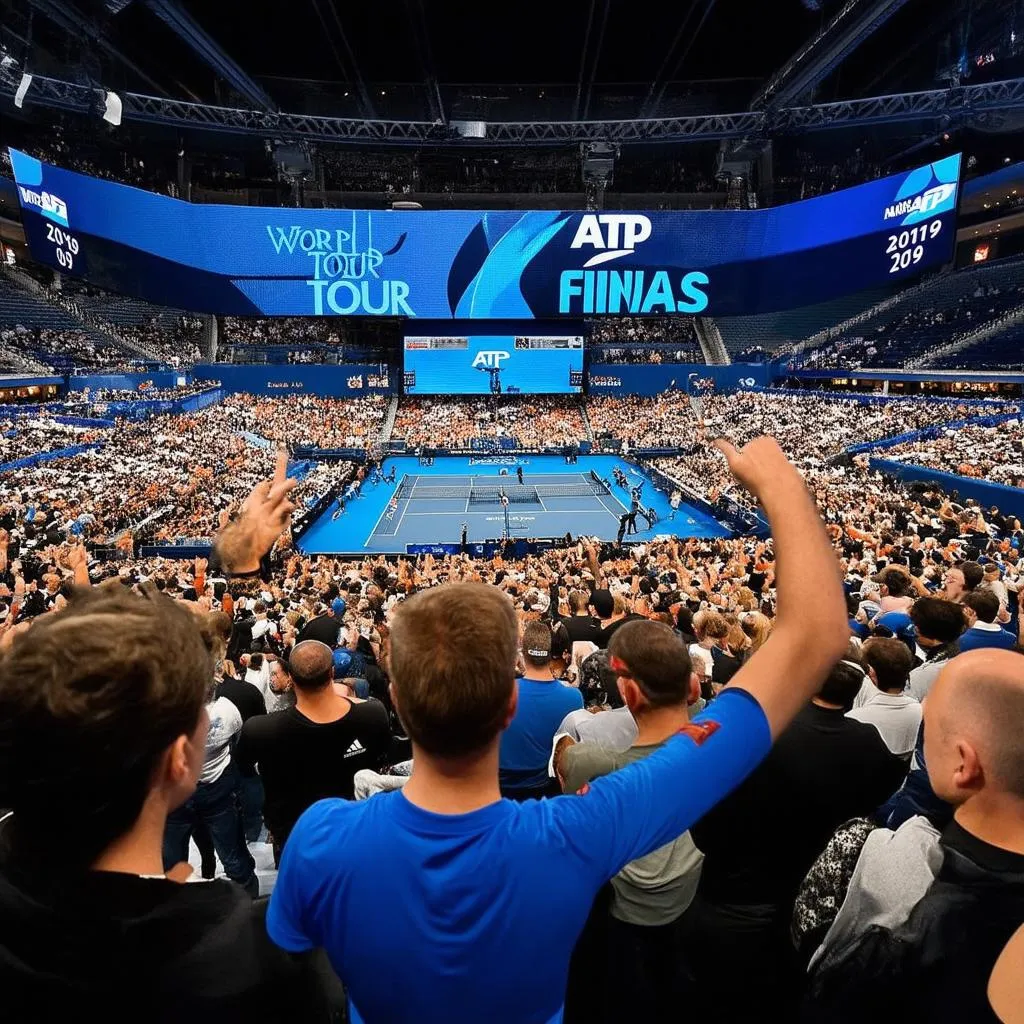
(498,264)
(493,364)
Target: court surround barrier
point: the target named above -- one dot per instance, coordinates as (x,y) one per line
(40,457)
(1007,499)
(928,433)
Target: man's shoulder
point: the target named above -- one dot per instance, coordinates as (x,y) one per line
(270,725)
(586,761)
(370,714)
(330,833)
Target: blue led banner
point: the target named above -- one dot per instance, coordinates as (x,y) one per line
(499,264)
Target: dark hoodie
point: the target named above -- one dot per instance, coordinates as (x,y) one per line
(117,947)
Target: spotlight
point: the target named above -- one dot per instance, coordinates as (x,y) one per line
(112,109)
(19,96)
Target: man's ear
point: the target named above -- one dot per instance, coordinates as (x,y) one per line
(630,693)
(513,706)
(693,694)
(175,767)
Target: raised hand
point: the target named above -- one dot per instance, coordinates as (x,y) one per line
(264,516)
(760,465)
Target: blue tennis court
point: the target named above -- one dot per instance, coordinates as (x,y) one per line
(428,504)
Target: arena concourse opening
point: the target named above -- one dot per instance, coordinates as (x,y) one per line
(512,518)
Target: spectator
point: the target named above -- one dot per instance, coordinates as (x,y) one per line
(541,704)
(580,625)
(895,714)
(931,917)
(980,610)
(326,627)
(827,768)
(91,923)
(939,624)
(650,895)
(313,750)
(464,877)
(217,800)
(961,580)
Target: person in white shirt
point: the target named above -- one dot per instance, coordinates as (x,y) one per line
(264,672)
(895,714)
(216,802)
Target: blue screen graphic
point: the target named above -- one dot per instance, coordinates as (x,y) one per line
(493,265)
(493,365)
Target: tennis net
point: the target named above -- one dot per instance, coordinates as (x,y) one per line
(491,493)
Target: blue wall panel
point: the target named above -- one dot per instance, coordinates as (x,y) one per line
(282,380)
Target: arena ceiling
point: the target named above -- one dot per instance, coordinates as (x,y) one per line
(424,58)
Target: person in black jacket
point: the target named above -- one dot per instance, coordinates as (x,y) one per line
(923,933)
(760,841)
(102,733)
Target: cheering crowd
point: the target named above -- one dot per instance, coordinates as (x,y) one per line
(176,344)
(21,437)
(181,471)
(846,872)
(532,421)
(993,453)
(285,330)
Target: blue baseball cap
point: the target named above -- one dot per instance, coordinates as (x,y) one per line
(342,663)
(898,625)
(338,606)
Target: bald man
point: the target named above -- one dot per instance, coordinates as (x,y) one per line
(927,915)
(314,749)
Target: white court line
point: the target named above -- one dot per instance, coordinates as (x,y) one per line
(402,511)
(385,508)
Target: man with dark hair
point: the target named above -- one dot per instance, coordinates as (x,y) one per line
(603,604)
(542,702)
(895,714)
(826,768)
(651,894)
(313,750)
(102,734)
(927,914)
(980,610)
(489,895)
(938,623)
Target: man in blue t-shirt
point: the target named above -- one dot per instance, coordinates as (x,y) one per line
(443,902)
(981,608)
(541,704)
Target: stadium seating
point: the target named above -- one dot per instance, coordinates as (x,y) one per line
(946,307)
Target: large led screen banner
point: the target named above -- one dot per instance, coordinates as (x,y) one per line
(500,264)
(493,364)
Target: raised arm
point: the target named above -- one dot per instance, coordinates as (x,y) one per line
(635,810)
(811,630)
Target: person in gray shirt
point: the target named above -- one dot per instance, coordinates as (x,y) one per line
(939,624)
(650,894)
